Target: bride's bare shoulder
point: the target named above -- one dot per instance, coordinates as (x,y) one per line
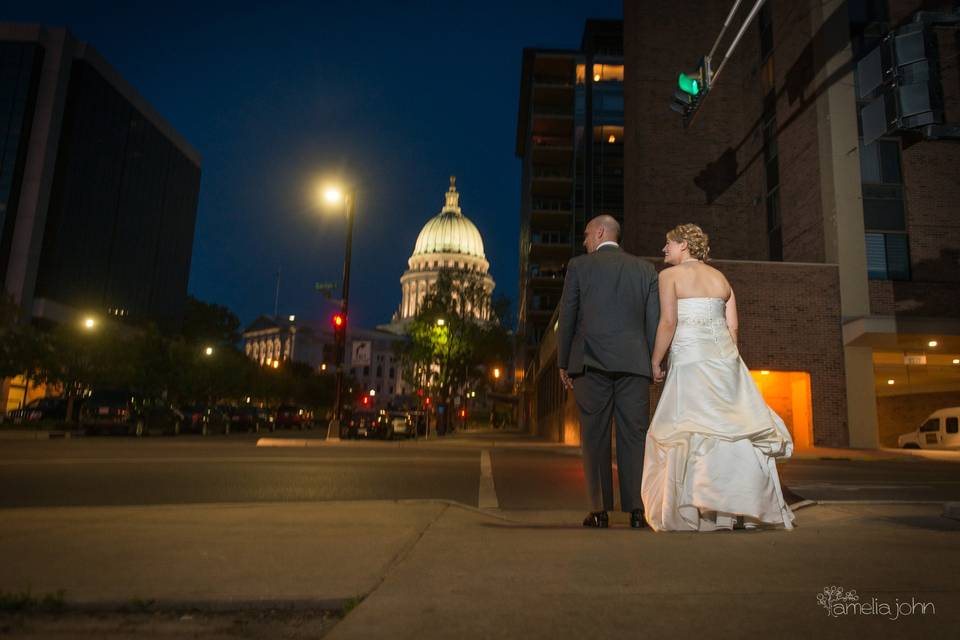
(670,272)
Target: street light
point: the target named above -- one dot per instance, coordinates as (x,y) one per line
(89,323)
(336,196)
(208,351)
(441,322)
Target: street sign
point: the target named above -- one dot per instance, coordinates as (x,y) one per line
(360,353)
(916,360)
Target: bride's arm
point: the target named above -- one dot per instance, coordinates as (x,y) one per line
(668,319)
(733,322)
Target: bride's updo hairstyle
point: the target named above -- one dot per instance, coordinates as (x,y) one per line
(698,243)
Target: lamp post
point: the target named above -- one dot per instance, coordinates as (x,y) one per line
(335,196)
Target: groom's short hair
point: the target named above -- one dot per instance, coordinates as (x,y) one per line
(610,225)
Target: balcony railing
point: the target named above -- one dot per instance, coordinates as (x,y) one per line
(552,110)
(552,141)
(547,171)
(550,204)
(551,79)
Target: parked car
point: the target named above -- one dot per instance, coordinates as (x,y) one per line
(941,430)
(204,419)
(397,424)
(360,425)
(39,409)
(290,416)
(248,418)
(118,410)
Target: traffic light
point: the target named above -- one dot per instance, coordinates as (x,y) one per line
(365,401)
(339,322)
(427,401)
(691,89)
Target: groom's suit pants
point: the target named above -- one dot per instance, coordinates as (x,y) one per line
(600,396)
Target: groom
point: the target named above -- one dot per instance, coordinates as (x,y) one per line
(609,313)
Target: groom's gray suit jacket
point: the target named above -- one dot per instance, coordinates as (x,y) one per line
(609,313)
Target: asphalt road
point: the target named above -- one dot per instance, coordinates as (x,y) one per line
(191,470)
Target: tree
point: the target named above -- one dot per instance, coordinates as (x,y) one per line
(451,345)
(22,346)
(208,323)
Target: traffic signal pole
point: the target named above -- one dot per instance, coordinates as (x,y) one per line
(692,94)
(733,45)
(340,337)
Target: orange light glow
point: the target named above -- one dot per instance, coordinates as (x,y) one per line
(788,394)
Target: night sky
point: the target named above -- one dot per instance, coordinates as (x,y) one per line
(396,95)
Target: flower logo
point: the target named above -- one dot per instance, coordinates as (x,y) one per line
(835,595)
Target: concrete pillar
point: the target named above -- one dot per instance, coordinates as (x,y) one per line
(842,205)
(861,398)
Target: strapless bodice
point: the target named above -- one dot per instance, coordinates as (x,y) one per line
(702,332)
(701,310)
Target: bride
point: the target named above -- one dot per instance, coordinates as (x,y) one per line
(709,460)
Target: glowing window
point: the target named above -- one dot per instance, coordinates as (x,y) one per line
(607,73)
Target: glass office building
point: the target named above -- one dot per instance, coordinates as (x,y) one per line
(98,192)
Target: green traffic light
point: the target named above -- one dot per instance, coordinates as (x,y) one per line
(688,84)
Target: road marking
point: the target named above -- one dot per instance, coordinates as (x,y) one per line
(487,499)
(855,487)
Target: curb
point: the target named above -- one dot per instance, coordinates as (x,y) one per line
(24,434)
(218,606)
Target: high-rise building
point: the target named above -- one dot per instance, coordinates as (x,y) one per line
(570,143)
(823,165)
(98,193)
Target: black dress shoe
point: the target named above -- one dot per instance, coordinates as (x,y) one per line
(598,519)
(637,520)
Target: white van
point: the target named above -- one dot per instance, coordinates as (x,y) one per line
(941,430)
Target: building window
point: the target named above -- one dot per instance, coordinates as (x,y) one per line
(551,237)
(366,371)
(379,371)
(392,373)
(888,256)
(884,213)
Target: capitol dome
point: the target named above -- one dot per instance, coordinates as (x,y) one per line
(450,231)
(449,240)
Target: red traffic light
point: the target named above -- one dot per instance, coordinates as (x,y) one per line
(463,413)
(339,320)
(420,392)
(427,401)
(366,400)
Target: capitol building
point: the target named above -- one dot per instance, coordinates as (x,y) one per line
(448,240)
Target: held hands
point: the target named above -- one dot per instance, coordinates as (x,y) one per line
(659,373)
(566,380)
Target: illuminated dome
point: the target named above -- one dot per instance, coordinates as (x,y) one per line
(448,241)
(450,231)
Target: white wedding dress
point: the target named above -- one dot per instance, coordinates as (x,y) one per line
(711,446)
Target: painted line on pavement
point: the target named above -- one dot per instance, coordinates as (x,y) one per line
(487,498)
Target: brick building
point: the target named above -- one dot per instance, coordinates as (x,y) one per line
(842,245)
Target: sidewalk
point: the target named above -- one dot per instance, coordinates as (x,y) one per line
(428,569)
